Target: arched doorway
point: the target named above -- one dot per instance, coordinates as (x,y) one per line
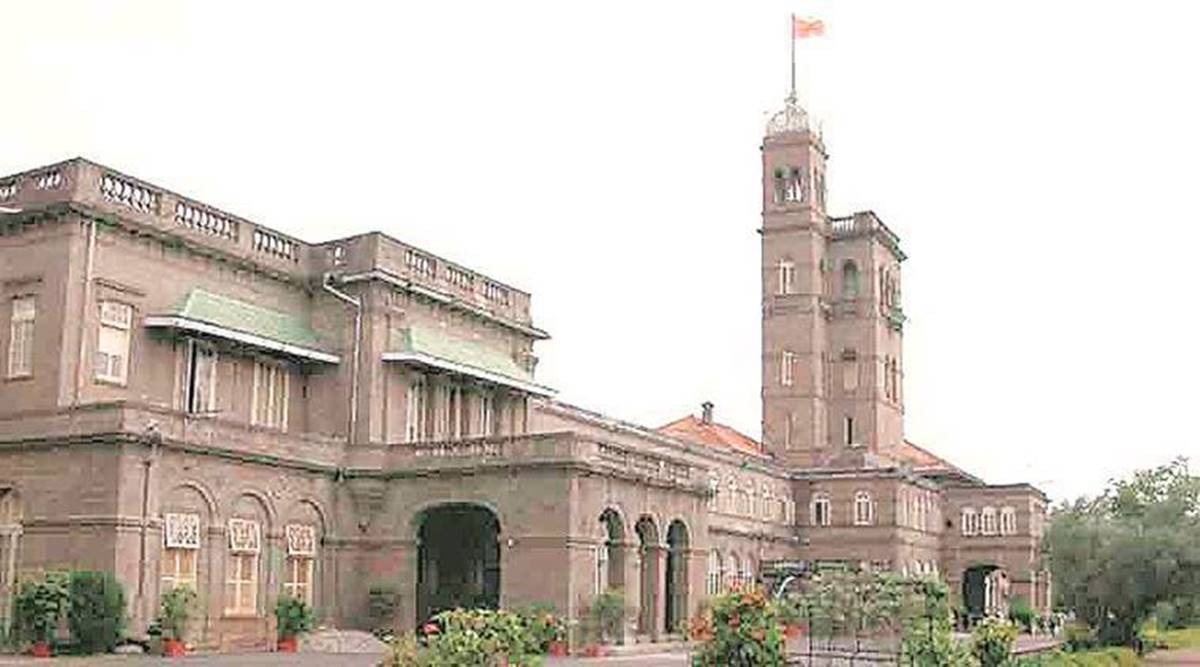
(985,592)
(610,558)
(648,548)
(458,559)
(677,576)
(10,542)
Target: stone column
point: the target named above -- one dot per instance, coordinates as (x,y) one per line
(657,555)
(632,575)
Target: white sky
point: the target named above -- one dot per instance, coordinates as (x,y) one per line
(1036,158)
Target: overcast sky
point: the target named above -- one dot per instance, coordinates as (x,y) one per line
(1037,159)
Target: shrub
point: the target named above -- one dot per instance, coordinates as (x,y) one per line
(477,637)
(39,607)
(743,629)
(1021,613)
(928,638)
(175,610)
(992,642)
(95,610)
(293,617)
(1079,636)
(607,615)
(543,626)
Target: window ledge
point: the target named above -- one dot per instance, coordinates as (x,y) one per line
(23,377)
(111,382)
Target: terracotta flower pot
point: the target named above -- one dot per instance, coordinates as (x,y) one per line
(594,651)
(287,645)
(174,648)
(41,650)
(558,649)
(793,631)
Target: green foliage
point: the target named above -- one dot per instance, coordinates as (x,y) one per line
(606,615)
(1109,657)
(1021,613)
(992,642)
(95,610)
(928,637)
(543,625)
(39,607)
(293,617)
(1117,556)
(382,604)
(175,610)
(477,637)
(743,629)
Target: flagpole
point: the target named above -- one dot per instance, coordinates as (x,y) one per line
(793,31)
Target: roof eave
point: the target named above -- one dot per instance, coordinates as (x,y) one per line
(254,340)
(464,369)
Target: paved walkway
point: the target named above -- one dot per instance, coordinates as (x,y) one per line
(1179,657)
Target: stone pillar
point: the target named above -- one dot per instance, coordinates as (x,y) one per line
(657,556)
(632,574)
(405,581)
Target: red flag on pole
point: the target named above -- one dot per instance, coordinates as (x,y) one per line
(803,28)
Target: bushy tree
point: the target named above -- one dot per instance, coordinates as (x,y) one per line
(1117,556)
(95,610)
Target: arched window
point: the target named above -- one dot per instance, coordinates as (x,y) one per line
(1008,521)
(989,521)
(819,514)
(714,494)
(864,509)
(713,584)
(302,541)
(732,568)
(970,521)
(849,280)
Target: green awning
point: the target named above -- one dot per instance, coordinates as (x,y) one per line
(432,347)
(221,316)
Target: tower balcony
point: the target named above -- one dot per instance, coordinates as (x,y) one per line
(865,223)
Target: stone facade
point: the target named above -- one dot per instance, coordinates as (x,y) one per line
(189,398)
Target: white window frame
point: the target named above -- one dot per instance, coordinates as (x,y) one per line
(820,510)
(113,337)
(713,581)
(1008,521)
(299,566)
(21,331)
(864,509)
(787,277)
(274,379)
(196,400)
(180,556)
(969,521)
(416,414)
(987,521)
(241,575)
(787,363)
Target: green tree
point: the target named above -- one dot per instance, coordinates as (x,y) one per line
(1117,556)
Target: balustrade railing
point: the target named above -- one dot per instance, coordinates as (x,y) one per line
(129,194)
(275,245)
(194,216)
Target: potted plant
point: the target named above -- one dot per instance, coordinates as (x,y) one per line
(293,618)
(39,607)
(175,610)
(789,615)
(605,618)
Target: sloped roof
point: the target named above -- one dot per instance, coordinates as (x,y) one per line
(218,315)
(926,462)
(711,434)
(435,347)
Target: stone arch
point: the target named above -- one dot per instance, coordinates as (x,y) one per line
(458,557)
(249,584)
(985,590)
(678,548)
(243,501)
(417,513)
(201,491)
(610,552)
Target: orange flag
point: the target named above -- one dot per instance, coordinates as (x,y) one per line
(803,28)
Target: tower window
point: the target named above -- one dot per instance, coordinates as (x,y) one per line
(787,276)
(849,428)
(785,372)
(849,280)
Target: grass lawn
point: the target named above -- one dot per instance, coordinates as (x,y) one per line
(1174,639)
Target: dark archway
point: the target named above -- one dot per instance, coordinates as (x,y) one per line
(984,592)
(677,576)
(610,564)
(648,549)
(458,559)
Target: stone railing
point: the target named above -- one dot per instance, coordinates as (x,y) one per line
(134,200)
(863,223)
(223,437)
(563,447)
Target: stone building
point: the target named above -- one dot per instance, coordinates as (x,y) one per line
(190,398)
